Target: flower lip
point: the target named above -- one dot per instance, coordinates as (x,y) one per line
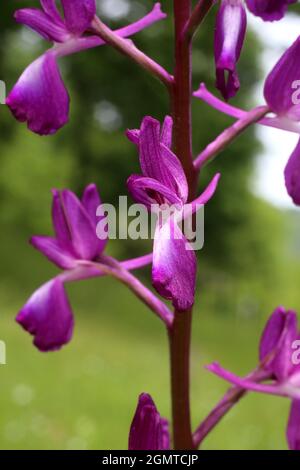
(40,97)
(48,317)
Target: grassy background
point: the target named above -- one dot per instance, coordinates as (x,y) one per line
(84,396)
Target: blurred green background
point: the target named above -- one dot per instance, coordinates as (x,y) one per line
(84,396)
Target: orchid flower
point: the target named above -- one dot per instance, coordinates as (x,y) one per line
(148,431)
(231,23)
(163,182)
(229,38)
(77,250)
(39,97)
(276,359)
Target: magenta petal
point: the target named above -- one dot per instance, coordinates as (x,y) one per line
(272,333)
(74,228)
(157,160)
(148,431)
(149,191)
(207,194)
(276,343)
(269,10)
(91,201)
(52,249)
(292,175)
(74,223)
(293,428)
(229,38)
(49,7)
(167,132)
(174,266)
(42,24)
(78,14)
(48,317)
(60,222)
(133,135)
(39,97)
(82,230)
(279,87)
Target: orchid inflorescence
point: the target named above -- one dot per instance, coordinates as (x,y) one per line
(169,175)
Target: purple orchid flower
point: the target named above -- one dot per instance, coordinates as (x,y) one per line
(229,38)
(148,431)
(269,10)
(163,182)
(276,362)
(76,250)
(40,97)
(230,33)
(47,314)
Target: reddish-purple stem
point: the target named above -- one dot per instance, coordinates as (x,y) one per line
(180,331)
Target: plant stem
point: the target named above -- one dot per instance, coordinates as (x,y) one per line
(199,13)
(110,267)
(182,93)
(127,47)
(230,399)
(180,339)
(180,331)
(227,136)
